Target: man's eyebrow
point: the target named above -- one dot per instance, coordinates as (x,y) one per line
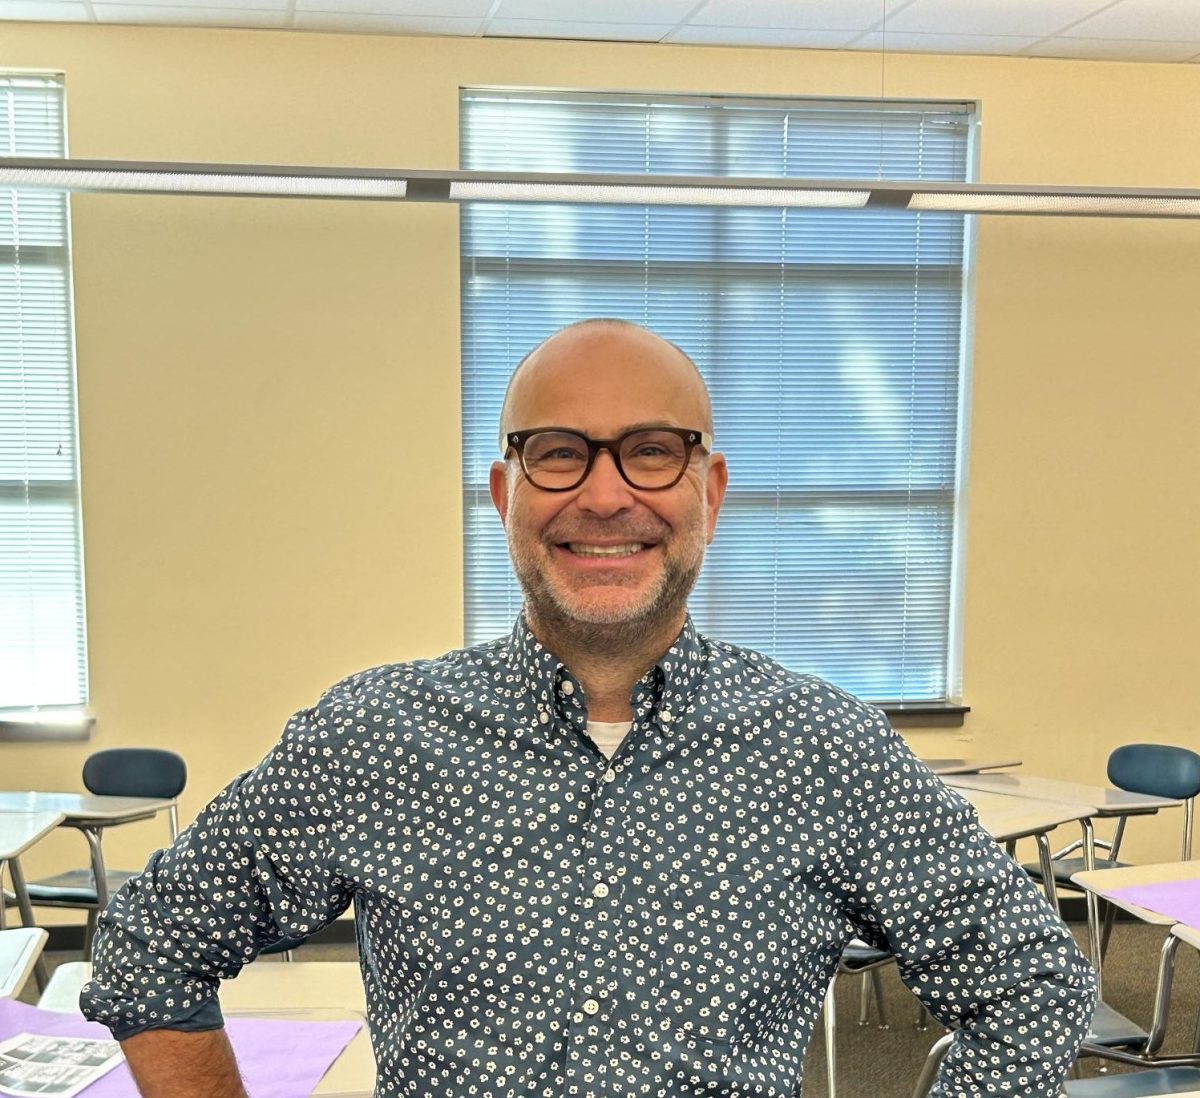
(648,425)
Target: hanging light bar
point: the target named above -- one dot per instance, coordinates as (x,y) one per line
(392,184)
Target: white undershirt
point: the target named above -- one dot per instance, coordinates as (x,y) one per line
(608,737)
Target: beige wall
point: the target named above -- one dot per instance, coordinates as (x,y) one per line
(259,381)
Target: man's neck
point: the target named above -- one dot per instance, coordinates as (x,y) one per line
(607,667)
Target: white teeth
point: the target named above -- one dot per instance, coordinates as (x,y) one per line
(580,549)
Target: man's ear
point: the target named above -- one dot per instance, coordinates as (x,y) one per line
(498,486)
(716,483)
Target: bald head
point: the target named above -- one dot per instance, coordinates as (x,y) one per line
(600,351)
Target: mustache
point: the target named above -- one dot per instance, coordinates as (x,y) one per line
(558,535)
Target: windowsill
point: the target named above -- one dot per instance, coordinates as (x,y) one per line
(45,729)
(925,714)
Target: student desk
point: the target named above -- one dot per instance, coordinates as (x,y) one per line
(1105,801)
(20,949)
(89,814)
(307,987)
(1103,882)
(18,832)
(942,767)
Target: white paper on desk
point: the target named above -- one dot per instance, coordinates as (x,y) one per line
(54,1066)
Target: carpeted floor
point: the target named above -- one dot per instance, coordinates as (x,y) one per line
(875,1063)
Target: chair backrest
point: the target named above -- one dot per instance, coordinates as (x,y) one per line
(1161,771)
(135,772)
(1157,769)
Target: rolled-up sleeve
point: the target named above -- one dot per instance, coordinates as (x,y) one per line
(260,863)
(974,938)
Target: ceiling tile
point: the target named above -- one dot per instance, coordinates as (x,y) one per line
(597,11)
(186,16)
(1171,20)
(762,36)
(40,11)
(1022,18)
(229,7)
(791,14)
(436,9)
(1115,49)
(352,23)
(549,28)
(1002,44)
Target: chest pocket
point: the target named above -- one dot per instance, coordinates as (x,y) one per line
(729,951)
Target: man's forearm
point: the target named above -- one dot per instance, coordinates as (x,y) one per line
(173,1063)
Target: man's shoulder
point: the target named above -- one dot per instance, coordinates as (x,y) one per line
(457,669)
(752,672)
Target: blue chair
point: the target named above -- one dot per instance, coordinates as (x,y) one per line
(117,772)
(1139,1084)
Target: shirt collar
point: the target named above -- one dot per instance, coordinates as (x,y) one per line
(663,694)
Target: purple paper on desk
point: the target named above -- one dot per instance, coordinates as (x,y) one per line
(1178,900)
(277,1059)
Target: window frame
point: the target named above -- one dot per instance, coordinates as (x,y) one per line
(954,496)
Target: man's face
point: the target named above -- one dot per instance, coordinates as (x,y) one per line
(603,381)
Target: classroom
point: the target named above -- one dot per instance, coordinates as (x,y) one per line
(285,409)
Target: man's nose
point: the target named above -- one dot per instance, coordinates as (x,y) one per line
(605,492)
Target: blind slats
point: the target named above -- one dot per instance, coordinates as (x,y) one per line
(42,654)
(830,342)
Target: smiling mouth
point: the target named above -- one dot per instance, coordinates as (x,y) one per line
(585,549)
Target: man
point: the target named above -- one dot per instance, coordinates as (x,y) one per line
(605,855)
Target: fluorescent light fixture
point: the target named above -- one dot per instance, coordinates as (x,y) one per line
(391,184)
(213,179)
(648,193)
(1112,205)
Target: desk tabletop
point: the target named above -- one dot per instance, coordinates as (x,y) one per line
(1103,882)
(1106,801)
(1189,934)
(20,948)
(1006,816)
(968,766)
(20,830)
(259,990)
(84,807)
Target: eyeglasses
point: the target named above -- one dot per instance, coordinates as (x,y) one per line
(557,459)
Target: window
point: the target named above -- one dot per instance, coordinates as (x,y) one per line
(832,343)
(42,656)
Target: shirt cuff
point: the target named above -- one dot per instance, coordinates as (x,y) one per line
(205,1016)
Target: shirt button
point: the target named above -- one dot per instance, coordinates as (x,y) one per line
(600,890)
(590,1006)
(666,715)
(568,687)
(543,716)
(610,775)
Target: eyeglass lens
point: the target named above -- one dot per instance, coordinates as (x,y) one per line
(650,459)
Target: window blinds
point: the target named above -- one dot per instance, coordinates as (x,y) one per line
(831,342)
(42,655)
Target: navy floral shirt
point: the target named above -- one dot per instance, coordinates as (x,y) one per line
(535,919)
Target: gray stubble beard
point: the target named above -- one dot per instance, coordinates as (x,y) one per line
(601,633)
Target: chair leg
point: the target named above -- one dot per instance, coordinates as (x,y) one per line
(932,1062)
(877,988)
(1110,913)
(864,999)
(89,933)
(831,1040)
